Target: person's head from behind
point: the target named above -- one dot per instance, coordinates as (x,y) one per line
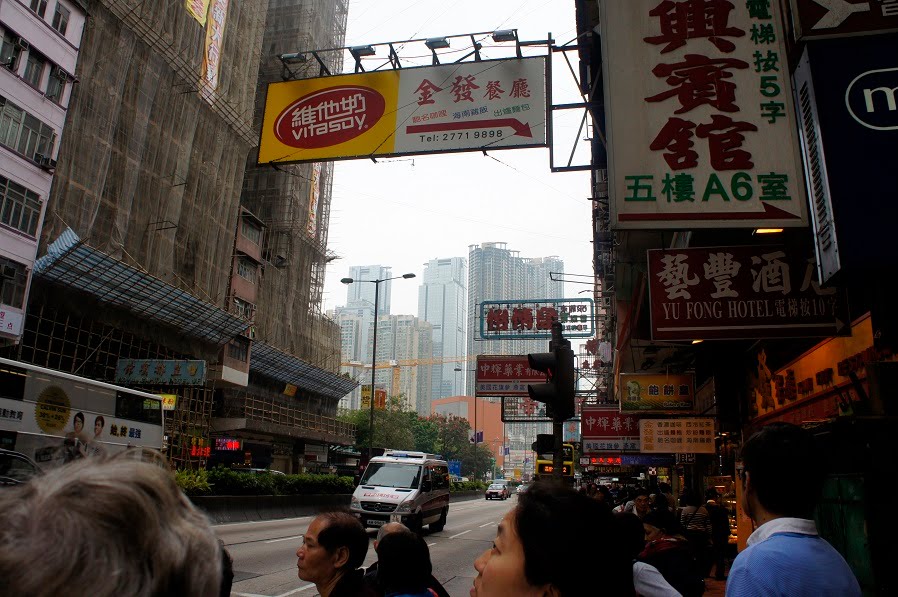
(687,498)
(711,495)
(632,534)
(114,526)
(657,524)
(335,543)
(770,458)
(403,563)
(539,543)
(386,529)
(664,487)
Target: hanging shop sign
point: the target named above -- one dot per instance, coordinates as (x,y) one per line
(649,392)
(605,429)
(647,459)
(814,19)
(532,319)
(380,397)
(499,375)
(523,409)
(470,106)
(700,122)
(847,91)
(740,292)
(213,49)
(10,321)
(228,444)
(677,436)
(160,372)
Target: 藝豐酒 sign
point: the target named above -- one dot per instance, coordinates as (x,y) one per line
(470,106)
(650,392)
(740,292)
(502,320)
(700,121)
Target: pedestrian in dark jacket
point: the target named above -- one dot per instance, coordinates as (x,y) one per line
(372,574)
(720,532)
(332,551)
(671,555)
(404,568)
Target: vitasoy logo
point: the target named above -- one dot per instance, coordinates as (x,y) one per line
(329,117)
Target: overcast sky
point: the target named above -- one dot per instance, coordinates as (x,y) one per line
(403,212)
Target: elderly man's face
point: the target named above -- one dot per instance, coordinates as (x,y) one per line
(314,562)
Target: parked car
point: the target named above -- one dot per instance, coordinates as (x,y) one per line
(522,488)
(16,468)
(497,490)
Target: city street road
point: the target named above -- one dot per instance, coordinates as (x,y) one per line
(265,552)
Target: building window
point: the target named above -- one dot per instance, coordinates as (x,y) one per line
(56,86)
(238,349)
(246,269)
(243,309)
(11,117)
(34,69)
(19,207)
(12,283)
(35,137)
(251,231)
(61,18)
(9,50)
(40,7)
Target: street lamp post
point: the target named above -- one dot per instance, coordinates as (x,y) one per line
(374,354)
(457,369)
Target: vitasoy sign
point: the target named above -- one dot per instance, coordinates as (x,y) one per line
(700,121)
(460,107)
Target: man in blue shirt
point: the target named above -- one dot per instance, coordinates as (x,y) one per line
(782,478)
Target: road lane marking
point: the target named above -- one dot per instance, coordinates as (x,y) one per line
(284,539)
(300,589)
(487,524)
(273,520)
(294,591)
(431,544)
(460,534)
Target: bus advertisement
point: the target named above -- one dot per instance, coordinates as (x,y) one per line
(53,417)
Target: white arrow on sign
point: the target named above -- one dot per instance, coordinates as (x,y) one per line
(837,12)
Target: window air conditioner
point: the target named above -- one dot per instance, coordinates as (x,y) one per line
(48,164)
(22,44)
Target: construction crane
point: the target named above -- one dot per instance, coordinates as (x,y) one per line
(397,365)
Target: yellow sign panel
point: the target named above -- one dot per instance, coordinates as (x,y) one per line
(656,392)
(332,117)
(380,397)
(472,106)
(52,410)
(169,401)
(198,10)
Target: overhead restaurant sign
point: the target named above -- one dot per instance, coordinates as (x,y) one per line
(700,122)
(519,319)
(471,106)
(650,392)
(740,292)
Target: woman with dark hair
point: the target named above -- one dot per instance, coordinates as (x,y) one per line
(670,554)
(403,565)
(647,581)
(75,442)
(540,545)
(332,551)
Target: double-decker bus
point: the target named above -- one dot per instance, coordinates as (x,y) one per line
(545,463)
(54,417)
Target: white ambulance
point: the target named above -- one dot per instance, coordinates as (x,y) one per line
(407,487)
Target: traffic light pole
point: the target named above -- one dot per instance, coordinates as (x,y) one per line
(558,456)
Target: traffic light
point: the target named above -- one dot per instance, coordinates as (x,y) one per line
(558,392)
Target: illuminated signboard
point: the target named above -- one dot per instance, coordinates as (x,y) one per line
(547,469)
(531,319)
(226,444)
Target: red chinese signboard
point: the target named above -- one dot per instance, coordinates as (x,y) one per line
(740,292)
(502,375)
(605,428)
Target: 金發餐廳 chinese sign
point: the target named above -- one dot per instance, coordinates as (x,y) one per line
(467,106)
(740,292)
(605,429)
(646,392)
(701,126)
(677,436)
(501,320)
(500,375)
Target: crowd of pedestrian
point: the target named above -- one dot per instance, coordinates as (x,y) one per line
(121,526)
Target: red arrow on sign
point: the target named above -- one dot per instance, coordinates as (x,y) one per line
(522,129)
(770,213)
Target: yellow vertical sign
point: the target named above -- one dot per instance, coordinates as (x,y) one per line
(198,9)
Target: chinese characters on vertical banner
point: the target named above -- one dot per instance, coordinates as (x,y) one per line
(214,46)
(701,123)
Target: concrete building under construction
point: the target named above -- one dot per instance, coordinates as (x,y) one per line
(161,244)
